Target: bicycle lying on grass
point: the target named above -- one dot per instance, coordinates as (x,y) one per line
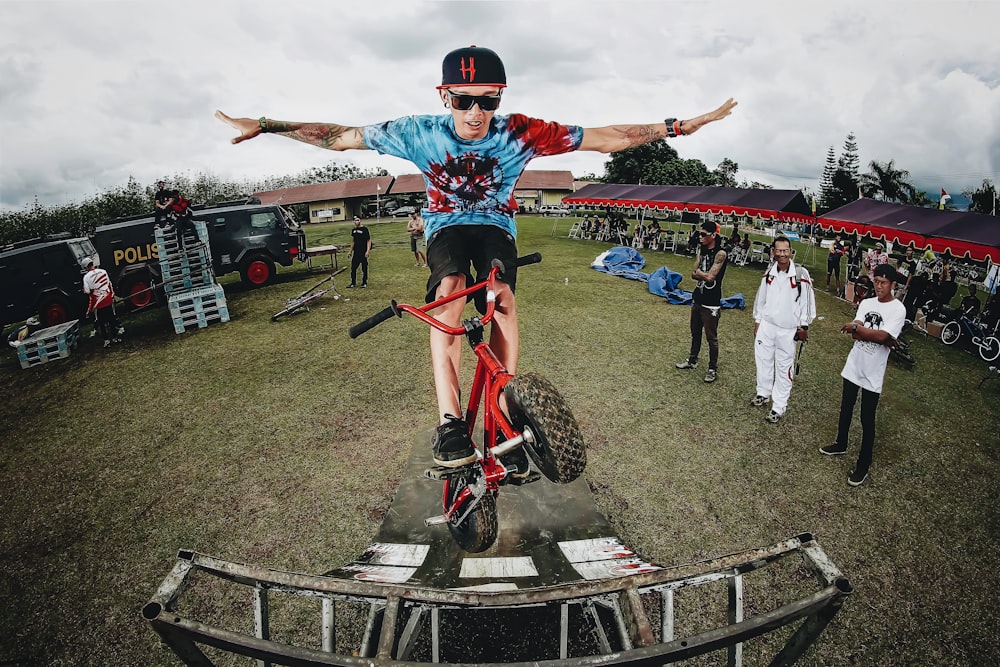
(537,419)
(303,300)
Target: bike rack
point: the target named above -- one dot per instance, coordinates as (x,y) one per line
(628,620)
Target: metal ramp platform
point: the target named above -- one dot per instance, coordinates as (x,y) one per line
(558,588)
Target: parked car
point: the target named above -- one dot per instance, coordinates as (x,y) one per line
(554,209)
(403,211)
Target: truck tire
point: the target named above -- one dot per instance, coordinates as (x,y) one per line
(138,291)
(257,270)
(53,310)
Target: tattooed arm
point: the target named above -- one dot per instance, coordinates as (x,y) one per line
(325,135)
(615,138)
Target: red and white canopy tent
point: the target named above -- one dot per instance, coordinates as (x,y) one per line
(779,205)
(962,234)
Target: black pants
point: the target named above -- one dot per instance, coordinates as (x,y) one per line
(107,322)
(358,259)
(703,319)
(869,401)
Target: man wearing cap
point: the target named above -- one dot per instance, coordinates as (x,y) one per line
(471,159)
(706,306)
(100,301)
(878,323)
(783,309)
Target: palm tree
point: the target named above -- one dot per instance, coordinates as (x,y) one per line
(883,181)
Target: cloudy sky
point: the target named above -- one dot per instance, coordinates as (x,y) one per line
(92,92)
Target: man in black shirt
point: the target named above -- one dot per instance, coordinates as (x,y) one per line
(706,308)
(361,247)
(162,201)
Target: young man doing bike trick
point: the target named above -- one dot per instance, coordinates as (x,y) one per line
(471,160)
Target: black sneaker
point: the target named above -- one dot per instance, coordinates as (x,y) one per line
(452,445)
(351,286)
(857,477)
(364,285)
(517,463)
(759,400)
(833,450)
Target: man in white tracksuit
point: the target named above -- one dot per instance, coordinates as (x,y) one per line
(782,312)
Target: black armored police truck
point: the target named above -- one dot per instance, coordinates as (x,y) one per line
(44,276)
(246,237)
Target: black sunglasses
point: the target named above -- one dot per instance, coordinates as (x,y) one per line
(465,102)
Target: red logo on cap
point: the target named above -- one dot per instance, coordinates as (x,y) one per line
(468,73)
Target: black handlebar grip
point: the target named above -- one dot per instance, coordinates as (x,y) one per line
(533,258)
(377,318)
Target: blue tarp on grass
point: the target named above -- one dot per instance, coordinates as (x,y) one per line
(628,262)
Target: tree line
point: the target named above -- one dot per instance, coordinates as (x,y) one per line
(656,163)
(133,198)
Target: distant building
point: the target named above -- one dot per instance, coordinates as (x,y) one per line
(341,200)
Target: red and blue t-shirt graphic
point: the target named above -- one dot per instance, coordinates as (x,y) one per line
(471,182)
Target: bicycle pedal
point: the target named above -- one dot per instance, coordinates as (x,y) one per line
(435,520)
(440,473)
(532,476)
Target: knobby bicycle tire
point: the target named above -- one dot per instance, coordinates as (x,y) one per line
(558,451)
(989,348)
(478,531)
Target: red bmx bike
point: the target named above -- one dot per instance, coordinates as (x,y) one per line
(537,419)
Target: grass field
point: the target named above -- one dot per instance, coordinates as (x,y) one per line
(281,444)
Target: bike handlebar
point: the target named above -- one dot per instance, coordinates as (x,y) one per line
(377,318)
(399,309)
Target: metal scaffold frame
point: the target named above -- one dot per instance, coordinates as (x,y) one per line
(397,614)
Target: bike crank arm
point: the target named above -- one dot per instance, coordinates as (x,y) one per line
(508,446)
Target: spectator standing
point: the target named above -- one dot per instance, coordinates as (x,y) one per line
(706,307)
(783,309)
(878,323)
(907,269)
(101,301)
(416,229)
(875,257)
(837,251)
(471,159)
(361,249)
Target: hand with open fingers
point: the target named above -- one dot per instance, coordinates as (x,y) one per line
(248,127)
(694,124)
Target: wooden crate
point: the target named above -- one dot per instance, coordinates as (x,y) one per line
(47,344)
(198,307)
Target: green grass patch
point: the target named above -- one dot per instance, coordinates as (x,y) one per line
(281,444)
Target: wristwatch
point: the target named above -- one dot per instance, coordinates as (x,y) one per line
(855,329)
(671,128)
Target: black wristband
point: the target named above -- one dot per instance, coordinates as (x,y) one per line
(670,127)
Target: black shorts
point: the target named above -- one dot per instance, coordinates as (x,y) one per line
(460,248)
(833,263)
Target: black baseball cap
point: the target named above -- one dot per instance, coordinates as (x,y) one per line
(473,66)
(886,271)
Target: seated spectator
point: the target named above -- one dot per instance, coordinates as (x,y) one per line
(970,306)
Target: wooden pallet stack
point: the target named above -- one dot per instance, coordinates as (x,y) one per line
(193,296)
(47,344)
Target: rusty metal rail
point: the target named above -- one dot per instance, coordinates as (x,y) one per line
(399,618)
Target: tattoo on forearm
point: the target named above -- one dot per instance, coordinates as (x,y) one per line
(637,135)
(324,135)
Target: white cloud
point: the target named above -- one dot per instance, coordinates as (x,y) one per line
(93,92)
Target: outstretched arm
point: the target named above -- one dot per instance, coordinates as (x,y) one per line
(325,135)
(615,138)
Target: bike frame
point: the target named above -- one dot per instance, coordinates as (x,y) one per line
(487,383)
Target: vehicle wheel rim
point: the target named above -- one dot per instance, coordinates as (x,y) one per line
(55,314)
(257,273)
(140,295)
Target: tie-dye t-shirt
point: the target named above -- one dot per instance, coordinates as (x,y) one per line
(471,182)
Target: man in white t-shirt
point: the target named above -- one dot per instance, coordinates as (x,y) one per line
(878,323)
